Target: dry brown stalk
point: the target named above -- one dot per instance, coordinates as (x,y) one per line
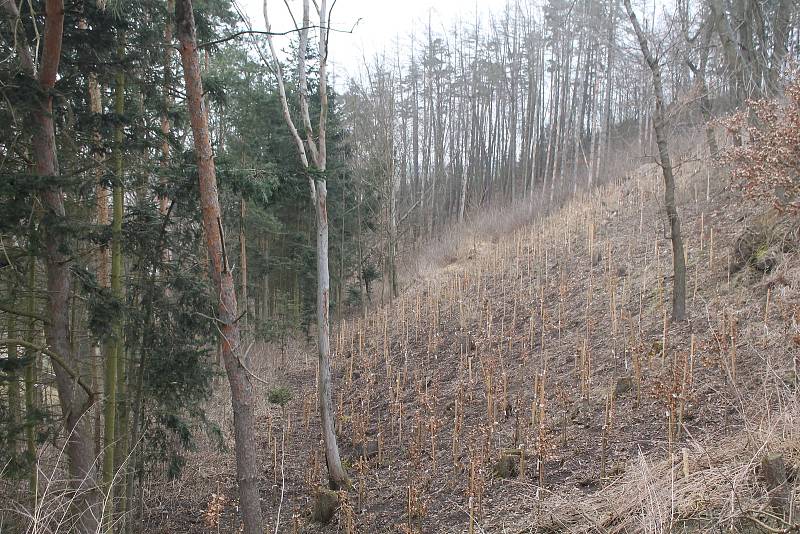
(607,421)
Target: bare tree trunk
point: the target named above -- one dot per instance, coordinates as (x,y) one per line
(700,79)
(781,30)
(612,8)
(678,260)
(13,354)
(115,346)
(337,475)
(167,102)
(730,52)
(394,186)
(243,258)
(101,258)
(242,399)
(415,187)
(362,279)
(30,381)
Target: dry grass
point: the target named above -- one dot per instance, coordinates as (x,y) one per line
(485,227)
(513,341)
(50,507)
(709,486)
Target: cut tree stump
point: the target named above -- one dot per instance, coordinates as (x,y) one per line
(325,506)
(773,472)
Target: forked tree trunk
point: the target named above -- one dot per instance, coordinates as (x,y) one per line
(700,80)
(732,57)
(781,30)
(678,260)
(247,469)
(337,476)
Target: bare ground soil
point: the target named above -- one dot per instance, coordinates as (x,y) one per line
(536,384)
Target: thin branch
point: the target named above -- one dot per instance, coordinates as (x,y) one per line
(767,528)
(328,33)
(20,40)
(271,33)
(253,41)
(222,240)
(57,359)
(247,370)
(302,84)
(35,316)
(291,14)
(278,71)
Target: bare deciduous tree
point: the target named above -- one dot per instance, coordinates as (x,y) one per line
(318,186)
(659,124)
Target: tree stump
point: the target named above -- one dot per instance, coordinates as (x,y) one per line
(325,506)
(773,473)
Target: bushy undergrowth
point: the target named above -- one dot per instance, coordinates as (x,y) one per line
(769,164)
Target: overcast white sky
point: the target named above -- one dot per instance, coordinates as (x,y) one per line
(382,23)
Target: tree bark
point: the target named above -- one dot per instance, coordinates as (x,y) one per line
(74,401)
(101,256)
(30,382)
(612,9)
(732,57)
(243,259)
(700,80)
(13,355)
(115,346)
(166,125)
(678,260)
(337,476)
(242,400)
(781,31)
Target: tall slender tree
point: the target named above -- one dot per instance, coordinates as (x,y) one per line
(242,398)
(315,168)
(74,401)
(660,126)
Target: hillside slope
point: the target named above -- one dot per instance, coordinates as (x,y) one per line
(536,384)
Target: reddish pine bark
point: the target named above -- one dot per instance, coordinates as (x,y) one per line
(74,401)
(241,389)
